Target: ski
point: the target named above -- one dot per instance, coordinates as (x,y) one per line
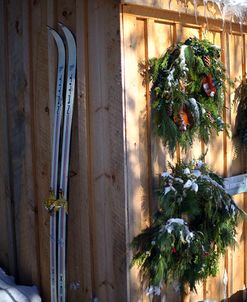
(51,202)
(63,187)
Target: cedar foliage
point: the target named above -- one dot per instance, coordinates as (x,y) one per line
(186,63)
(240,131)
(195,222)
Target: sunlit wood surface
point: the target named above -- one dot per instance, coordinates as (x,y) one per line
(147,33)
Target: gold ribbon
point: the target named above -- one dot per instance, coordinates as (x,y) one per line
(54,205)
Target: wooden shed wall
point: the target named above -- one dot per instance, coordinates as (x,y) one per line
(96,264)
(147,32)
(115,159)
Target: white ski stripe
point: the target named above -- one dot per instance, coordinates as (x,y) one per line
(68,113)
(58,107)
(55,152)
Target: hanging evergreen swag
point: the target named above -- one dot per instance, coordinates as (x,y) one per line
(187,92)
(240,131)
(195,223)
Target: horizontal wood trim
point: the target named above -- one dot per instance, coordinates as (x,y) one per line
(181,18)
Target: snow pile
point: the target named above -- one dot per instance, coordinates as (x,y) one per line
(10,292)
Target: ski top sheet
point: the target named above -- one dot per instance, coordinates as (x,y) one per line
(51,203)
(68,113)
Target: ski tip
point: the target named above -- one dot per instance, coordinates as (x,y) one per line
(68,33)
(64,28)
(50,29)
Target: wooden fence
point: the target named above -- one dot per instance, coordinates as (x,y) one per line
(115,159)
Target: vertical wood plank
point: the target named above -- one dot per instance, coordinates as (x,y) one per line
(196,149)
(20,146)
(52,58)
(14,85)
(79,266)
(135,106)
(42,131)
(237,279)
(7,239)
(75,285)
(227,141)
(106,131)
(78,269)
(160,37)
(30,198)
(215,155)
(216,161)
(245,169)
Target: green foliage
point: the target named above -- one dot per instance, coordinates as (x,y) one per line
(240,131)
(177,76)
(195,222)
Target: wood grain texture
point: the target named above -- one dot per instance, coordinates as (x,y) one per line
(221,151)
(20,147)
(169,5)
(107,205)
(79,274)
(115,158)
(184,32)
(7,239)
(216,159)
(160,36)
(236,262)
(179,17)
(136,135)
(245,169)
(66,13)
(42,132)
(197,147)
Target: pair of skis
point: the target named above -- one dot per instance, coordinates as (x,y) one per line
(57,202)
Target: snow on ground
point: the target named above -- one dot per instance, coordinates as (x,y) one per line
(10,292)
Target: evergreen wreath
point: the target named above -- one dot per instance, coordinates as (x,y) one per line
(195,222)
(240,131)
(187,93)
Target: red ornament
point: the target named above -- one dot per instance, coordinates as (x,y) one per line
(205,254)
(174,250)
(208,86)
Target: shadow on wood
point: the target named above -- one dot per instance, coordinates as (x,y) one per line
(239,296)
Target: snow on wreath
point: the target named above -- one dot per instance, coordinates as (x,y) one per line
(195,222)
(187,93)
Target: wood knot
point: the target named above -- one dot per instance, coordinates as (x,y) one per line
(17,27)
(66,13)
(113,177)
(72,173)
